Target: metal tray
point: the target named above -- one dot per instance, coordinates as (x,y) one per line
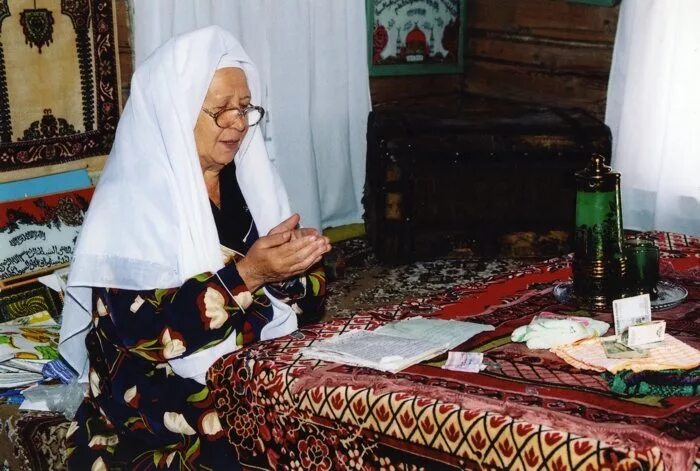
(670,295)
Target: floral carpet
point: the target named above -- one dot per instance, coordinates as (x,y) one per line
(361,283)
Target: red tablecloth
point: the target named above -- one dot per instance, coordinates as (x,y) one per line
(533,411)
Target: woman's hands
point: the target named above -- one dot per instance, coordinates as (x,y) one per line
(283,253)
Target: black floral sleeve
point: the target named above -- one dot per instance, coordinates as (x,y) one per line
(162,324)
(305,294)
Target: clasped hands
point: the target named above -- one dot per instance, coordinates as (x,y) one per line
(284,252)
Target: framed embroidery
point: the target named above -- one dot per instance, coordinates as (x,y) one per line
(39,233)
(411,37)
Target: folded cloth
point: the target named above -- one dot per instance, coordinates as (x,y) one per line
(655,383)
(549,330)
(59,369)
(670,354)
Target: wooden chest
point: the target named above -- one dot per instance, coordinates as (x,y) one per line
(435,176)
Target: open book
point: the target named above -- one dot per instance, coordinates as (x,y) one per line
(395,346)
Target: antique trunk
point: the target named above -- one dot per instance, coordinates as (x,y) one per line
(438,176)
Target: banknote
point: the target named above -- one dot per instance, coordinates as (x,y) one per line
(644,334)
(616,350)
(630,311)
(470,362)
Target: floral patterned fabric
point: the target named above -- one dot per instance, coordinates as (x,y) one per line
(528,410)
(138,414)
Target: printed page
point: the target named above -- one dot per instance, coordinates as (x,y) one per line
(368,348)
(438,331)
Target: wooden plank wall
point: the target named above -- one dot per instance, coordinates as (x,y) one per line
(126,66)
(548,52)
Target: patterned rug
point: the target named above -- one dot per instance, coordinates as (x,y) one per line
(31,441)
(51,114)
(359,282)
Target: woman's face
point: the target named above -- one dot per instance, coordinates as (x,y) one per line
(217,146)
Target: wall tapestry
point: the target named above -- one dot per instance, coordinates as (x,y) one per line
(415,36)
(39,233)
(59,81)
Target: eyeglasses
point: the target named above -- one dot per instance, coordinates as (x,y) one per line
(228,117)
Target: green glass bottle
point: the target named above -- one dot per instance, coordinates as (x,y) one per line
(599,264)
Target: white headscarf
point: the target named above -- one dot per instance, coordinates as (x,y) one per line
(150,223)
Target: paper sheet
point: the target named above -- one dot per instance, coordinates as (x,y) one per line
(375,347)
(29,404)
(438,331)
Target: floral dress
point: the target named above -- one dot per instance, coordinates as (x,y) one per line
(138,414)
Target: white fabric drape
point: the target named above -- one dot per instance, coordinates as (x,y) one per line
(312,60)
(653,110)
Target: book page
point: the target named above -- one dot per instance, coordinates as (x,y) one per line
(369,349)
(376,348)
(439,331)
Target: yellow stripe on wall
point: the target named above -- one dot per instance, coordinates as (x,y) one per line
(336,234)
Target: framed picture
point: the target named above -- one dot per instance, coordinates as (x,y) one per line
(28,298)
(415,37)
(39,233)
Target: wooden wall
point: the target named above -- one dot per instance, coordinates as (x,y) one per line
(537,51)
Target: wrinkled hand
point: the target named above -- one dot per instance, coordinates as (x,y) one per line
(290,224)
(283,253)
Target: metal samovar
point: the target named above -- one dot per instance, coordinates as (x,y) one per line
(598,264)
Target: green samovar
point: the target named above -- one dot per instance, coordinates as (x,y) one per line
(598,265)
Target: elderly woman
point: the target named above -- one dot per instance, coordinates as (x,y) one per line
(169,273)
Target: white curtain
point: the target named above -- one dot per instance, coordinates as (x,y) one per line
(653,110)
(312,57)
